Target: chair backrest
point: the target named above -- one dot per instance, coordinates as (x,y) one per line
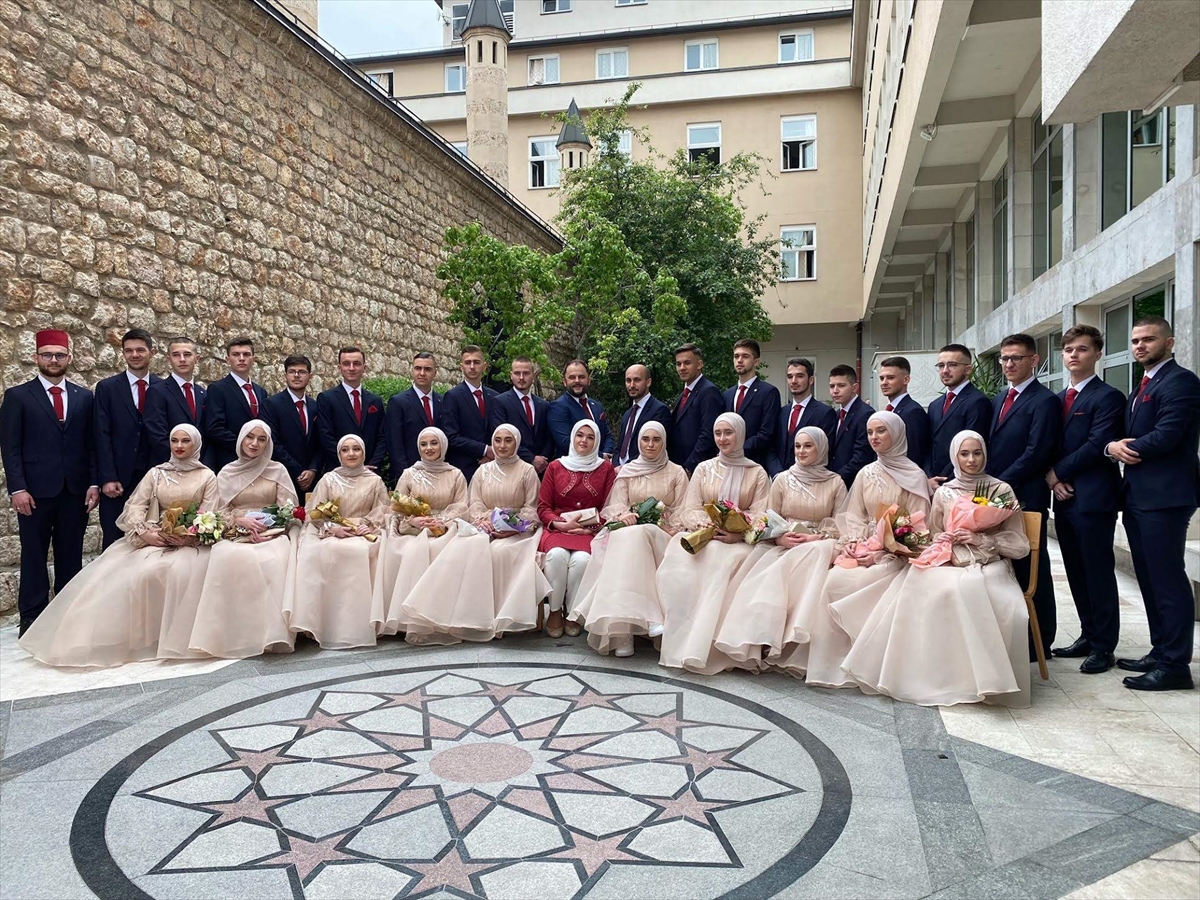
(1033,530)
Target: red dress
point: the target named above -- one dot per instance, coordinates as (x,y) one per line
(563,490)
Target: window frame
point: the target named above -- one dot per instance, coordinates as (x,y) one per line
(796,33)
(611,50)
(543,57)
(700,44)
(1042,172)
(461,147)
(460,67)
(558,7)
(552,156)
(717,146)
(783,140)
(810,248)
(456,33)
(626,138)
(390,90)
(621,3)
(1000,239)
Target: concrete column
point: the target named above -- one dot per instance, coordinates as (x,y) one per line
(1187,295)
(958,278)
(929,300)
(983,250)
(1068,212)
(1185,141)
(945,303)
(1020,204)
(1082,186)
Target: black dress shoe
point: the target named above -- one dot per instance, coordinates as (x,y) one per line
(1145,664)
(1160,680)
(1097,663)
(1082,647)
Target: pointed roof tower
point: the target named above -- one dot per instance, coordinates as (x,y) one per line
(573,132)
(485,14)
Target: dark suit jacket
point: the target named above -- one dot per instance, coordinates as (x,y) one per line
(42,455)
(815,414)
(469,433)
(122,445)
(917,430)
(851,450)
(403,423)
(166,408)
(970,411)
(654,411)
(760,409)
(536,441)
(1165,423)
(294,448)
(226,411)
(690,438)
(335,417)
(1025,445)
(1097,417)
(565,412)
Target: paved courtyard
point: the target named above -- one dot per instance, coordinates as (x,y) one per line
(534,768)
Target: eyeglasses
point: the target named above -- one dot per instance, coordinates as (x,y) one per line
(297,372)
(54,357)
(1005,360)
(949,365)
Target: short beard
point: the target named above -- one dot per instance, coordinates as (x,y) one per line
(576,392)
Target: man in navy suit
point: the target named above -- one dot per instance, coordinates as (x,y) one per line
(175,400)
(1087,494)
(232,402)
(895,373)
(50,462)
(465,414)
(963,407)
(409,412)
(644,407)
(574,404)
(851,450)
(755,400)
(690,438)
(528,413)
(801,411)
(349,408)
(1026,427)
(122,446)
(293,418)
(1160,494)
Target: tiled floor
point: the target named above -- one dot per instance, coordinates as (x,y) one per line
(528,767)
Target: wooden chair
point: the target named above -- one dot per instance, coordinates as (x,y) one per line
(1033,531)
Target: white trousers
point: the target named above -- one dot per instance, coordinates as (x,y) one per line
(564,570)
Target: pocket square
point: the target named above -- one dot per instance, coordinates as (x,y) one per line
(1145,398)
(372,408)
(1076,414)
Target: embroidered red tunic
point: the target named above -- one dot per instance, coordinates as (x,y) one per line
(563,490)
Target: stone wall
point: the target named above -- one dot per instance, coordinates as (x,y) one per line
(195,167)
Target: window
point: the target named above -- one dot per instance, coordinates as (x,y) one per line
(506,10)
(458,17)
(556,6)
(1136,159)
(799,142)
(613,63)
(1047,195)
(543,70)
(383,80)
(626,143)
(1119,367)
(461,147)
(1000,239)
(970,255)
(795,46)
(456,79)
(704,142)
(798,253)
(543,162)
(700,55)
(631,2)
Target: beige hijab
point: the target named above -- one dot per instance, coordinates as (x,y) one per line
(359,470)
(511,459)
(735,460)
(239,475)
(961,481)
(643,465)
(192,460)
(895,461)
(439,465)
(817,472)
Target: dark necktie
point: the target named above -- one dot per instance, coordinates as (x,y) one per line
(628,439)
(1008,403)
(528,411)
(737,406)
(841,420)
(357,406)
(587,409)
(1070,401)
(687,392)
(303,416)
(950,395)
(253,400)
(56,397)
(428,410)
(479,402)
(794,419)
(141,401)
(191,400)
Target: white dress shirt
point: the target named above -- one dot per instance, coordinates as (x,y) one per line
(62,383)
(637,409)
(133,382)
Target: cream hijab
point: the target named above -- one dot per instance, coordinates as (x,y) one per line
(361,468)
(512,458)
(642,464)
(439,465)
(577,462)
(895,461)
(192,460)
(961,481)
(735,461)
(239,475)
(817,472)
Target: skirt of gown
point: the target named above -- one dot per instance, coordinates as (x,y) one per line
(240,612)
(120,608)
(947,635)
(696,594)
(618,596)
(329,595)
(403,559)
(475,589)
(781,587)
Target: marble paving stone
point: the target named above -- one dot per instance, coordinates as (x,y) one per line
(557,686)
(1095,853)
(645,779)
(90,761)
(955,846)
(883,841)
(830,882)
(417,835)
(164,826)
(54,722)
(228,846)
(553,881)
(934,775)
(1149,879)
(991,788)
(730,784)
(289,779)
(343,702)
(321,816)
(680,841)
(594,720)
(602,814)
(206,787)
(328,743)
(1014,832)
(1016,879)
(258,737)
(920,728)
(362,881)
(504,833)
(651,704)
(35,824)
(265,884)
(452,685)
(463,710)
(1172,818)
(1184,851)
(397,720)
(638,745)
(523,710)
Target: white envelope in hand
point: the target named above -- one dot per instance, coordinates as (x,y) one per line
(589,516)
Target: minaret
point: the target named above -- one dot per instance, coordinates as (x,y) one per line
(573,142)
(485,38)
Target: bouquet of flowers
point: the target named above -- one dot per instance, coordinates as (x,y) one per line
(414,507)
(206,526)
(724,515)
(897,532)
(275,520)
(505,520)
(771,525)
(209,527)
(328,512)
(649,512)
(984,510)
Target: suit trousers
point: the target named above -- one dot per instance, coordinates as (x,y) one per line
(1086,541)
(56,523)
(1043,595)
(111,508)
(1157,540)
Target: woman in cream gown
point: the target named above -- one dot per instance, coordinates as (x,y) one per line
(618,597)
(409,546)
(955,633)
(851,594)
(696,591)
(116,609)
(487,582)
(785,578)
(329,595)
(240,612)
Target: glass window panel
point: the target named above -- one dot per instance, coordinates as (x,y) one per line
(692,54)
(1114,161)
(1117,376)
(1147,164)
(710,55)
(970,254)
(1116,329)
(787,48)
(1056,198)
(704,135)
(804,46)
(799,128)
(1041,213)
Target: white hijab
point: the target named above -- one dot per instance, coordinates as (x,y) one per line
(239,475)
(642,464)
(436,466)
(961,481)
(574,461)
(818,471)
(895,461)
(512,458)
(735,461)
(361,468)
(192,460)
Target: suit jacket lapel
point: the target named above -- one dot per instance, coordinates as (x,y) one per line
(43,400)
(126,392)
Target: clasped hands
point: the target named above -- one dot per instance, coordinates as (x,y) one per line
(570,528)
(155,538)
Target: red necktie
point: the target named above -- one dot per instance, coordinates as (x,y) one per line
(56,395)
(1141,387)
(428,410)
(141,386)
(303,416)
(191,399)
(889,408)
(687,392)
(795,418)
(841,420)
(1070,401)
(528,411)
(249,389)
(628,439)
(357,406)
(737,405)
(1008,403)
(950,395)
(479,402)
(587,409)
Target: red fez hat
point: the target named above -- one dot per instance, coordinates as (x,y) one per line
(53,336)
